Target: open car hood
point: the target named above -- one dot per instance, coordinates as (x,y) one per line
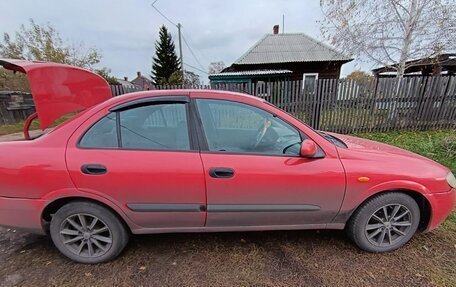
(59,89)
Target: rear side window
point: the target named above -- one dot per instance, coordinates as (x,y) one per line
(103,134)
(162,127)
(153,127)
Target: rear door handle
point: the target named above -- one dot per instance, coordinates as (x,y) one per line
(94,169)
(221,172)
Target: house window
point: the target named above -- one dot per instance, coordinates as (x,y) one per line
(309,82)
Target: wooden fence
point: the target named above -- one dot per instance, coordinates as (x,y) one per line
(15,107)
(344,106)
(348,106)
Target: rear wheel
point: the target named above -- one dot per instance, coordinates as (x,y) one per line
(384,222)
(88,233)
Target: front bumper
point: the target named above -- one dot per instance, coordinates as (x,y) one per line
(442,204)
(22,213)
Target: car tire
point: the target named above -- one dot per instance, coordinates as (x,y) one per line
(88,233)
(384,222)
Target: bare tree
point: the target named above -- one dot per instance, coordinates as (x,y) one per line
(191,79)
(106,74)
(360,77)
(216,67)
(390,32)
(10,81)
(43,43)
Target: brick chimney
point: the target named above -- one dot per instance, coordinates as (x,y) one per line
(126,79)
(275,29)
(138,73)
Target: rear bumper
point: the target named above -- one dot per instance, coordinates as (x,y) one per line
(22,213)
(442,204)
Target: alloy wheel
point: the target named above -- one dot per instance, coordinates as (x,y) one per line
(86,235)
(388,225)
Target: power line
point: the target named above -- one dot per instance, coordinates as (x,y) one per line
(198,69)
(163,15)
(191,51)
(192,42)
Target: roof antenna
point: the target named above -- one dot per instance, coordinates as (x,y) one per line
(283,23)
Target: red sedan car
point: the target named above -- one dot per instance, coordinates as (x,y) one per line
(201,161)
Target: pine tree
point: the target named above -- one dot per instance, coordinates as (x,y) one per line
(165,62)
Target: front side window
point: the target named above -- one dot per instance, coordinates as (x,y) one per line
(240,128)
(154,127)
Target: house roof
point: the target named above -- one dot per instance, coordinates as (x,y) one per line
(141,79)
(125,83)
(289,47)
(251,73)
(142,82)
(446,60)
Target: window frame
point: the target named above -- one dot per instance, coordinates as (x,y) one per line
(204,147)
(142,102)
(305,75)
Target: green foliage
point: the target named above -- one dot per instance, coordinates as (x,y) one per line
(176,78)
(191,79)
(43,43)
(165,63)
(106,74)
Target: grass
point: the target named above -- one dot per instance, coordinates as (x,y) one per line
(18,127)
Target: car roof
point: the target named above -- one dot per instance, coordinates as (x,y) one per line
(193,93)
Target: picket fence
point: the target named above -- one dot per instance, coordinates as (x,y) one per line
(350,106)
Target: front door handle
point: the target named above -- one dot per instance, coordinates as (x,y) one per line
(94,169)
(221,172)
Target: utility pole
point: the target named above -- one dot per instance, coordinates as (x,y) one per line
(180,47)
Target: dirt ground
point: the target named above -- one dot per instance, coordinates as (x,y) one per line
(281,258)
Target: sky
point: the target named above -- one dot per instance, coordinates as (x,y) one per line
(126,31)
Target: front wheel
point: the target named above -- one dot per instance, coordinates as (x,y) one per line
(88,233)
(385,222)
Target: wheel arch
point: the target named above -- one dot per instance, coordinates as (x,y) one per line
(422,202)
(53,206)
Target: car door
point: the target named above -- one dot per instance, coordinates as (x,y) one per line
(141,156)
(255,175)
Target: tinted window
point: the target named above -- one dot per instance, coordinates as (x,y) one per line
(103,134)
(237,127)
(162,126)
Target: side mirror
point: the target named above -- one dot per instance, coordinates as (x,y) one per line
(308,148)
